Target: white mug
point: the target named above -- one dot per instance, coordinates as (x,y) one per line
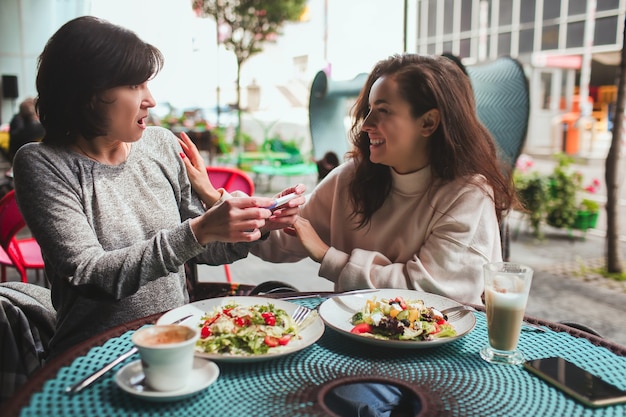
(166,353)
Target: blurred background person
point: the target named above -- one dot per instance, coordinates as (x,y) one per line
(25,127)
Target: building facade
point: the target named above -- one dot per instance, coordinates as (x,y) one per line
(569,49)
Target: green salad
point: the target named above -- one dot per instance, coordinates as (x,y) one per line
(397,319)
(246,330)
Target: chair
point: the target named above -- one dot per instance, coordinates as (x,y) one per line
(230,179)
(24,253)
(4,262)
(503,106)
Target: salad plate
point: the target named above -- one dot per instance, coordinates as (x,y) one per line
(312,331)
(203,374)
(337,313)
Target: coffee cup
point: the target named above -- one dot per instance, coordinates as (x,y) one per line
(507,285)
(166,353)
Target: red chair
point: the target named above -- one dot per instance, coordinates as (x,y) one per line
(23,253)
(230,179)
(4,262)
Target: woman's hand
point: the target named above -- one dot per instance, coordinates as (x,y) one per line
(285,215)
(237,219)
(196,171)
(309,238)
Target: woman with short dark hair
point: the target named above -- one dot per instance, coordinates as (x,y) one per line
(108,198)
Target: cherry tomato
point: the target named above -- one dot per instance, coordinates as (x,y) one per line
(242,321)
(205,332)
(284,340)
(227,311)
(269,317)
(271,341)
(361,328)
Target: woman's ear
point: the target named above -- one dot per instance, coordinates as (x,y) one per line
(430,121)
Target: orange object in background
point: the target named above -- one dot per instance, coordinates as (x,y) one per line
(571,142)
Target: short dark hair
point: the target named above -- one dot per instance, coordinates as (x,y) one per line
(84,58)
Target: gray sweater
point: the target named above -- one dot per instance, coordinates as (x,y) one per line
(114,238)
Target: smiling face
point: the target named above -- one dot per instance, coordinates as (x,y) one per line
(397,139)
(127,111)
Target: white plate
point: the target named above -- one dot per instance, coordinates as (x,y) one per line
(337,312)
(308,335)
(203,374)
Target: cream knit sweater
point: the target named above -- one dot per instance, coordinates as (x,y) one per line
(433,240)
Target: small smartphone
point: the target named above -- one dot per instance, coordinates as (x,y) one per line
(587,388)
(282,200)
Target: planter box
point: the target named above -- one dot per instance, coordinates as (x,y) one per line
(585,220)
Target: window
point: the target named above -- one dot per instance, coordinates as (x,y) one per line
(527,12)
(432,18)
(448,14)
(466,15)
(577,7)
(505,16)
(550,37)
(464,48)
(606,31)
(575,34)
(504,44)
(526,40)
(551,9)
(602,5)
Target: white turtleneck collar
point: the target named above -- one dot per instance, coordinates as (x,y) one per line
(412,183)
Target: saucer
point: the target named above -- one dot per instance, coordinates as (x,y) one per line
(203,374)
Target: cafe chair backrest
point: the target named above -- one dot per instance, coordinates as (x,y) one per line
(231,179)
(328,108)
(502,104)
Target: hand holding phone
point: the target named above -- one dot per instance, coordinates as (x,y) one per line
(576,382)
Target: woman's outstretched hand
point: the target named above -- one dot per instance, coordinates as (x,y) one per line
(196,171)
(309,238)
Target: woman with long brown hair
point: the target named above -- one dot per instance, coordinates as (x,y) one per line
(418,203)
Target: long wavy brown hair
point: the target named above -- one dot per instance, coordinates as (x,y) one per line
(461,147)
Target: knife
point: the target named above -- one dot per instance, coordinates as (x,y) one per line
(90,379)
(329,295)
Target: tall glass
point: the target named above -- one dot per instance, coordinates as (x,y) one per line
(507,285)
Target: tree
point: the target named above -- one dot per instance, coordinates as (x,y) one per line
(614,254)
(251,23)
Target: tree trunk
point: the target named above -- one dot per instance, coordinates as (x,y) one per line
(614,261)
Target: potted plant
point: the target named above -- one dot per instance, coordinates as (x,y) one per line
(587,215)
(554,198)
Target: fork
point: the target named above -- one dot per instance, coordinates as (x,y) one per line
(301,314)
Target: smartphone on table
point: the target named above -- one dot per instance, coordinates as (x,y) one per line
(585,387)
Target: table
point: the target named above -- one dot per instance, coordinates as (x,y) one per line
(452,378)
(288,171)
